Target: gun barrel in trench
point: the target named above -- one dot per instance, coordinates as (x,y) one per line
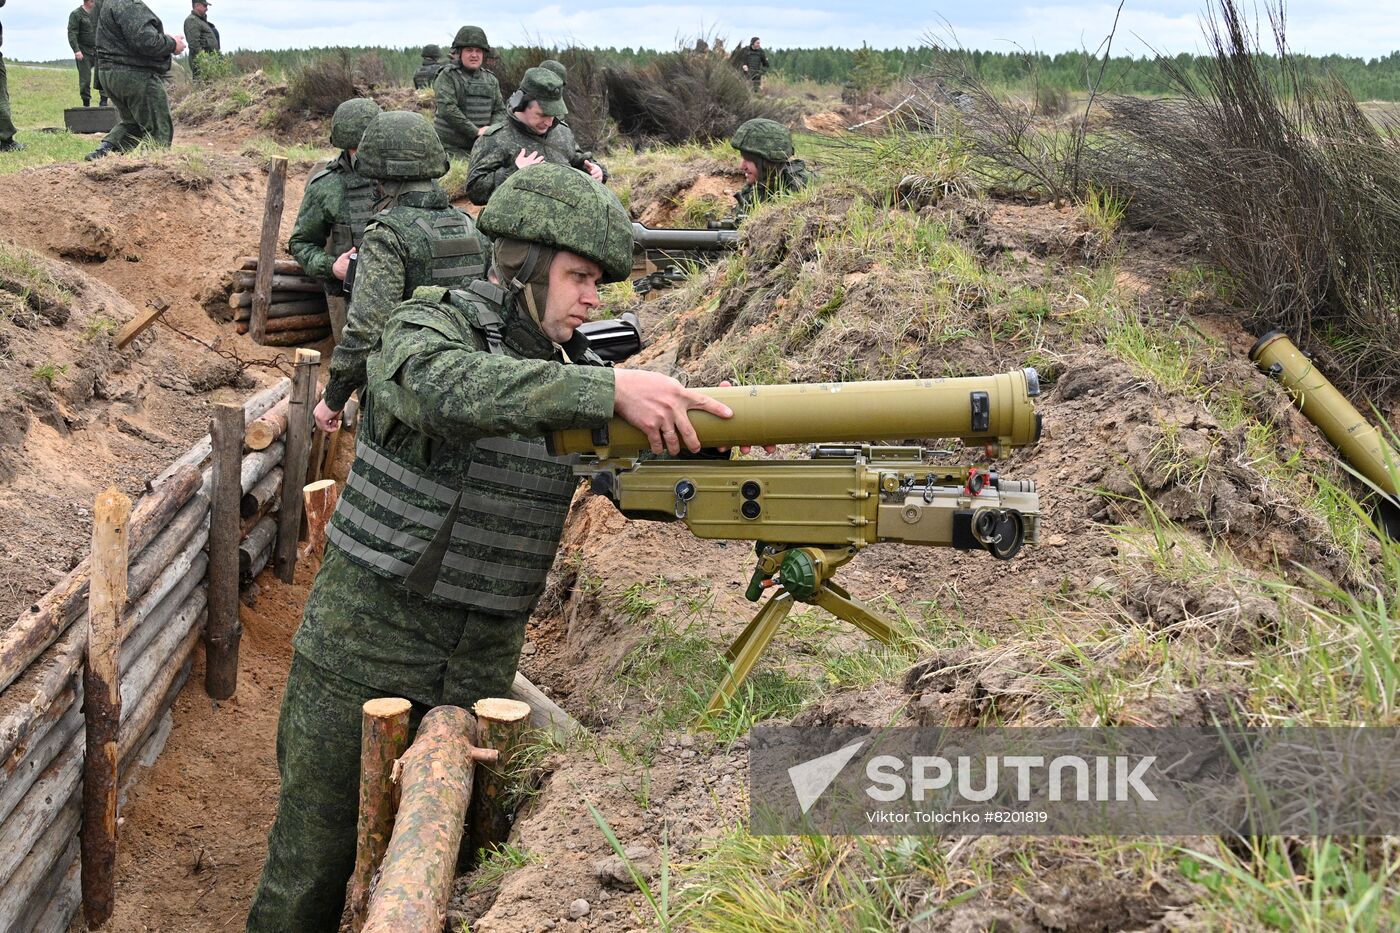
(645,238)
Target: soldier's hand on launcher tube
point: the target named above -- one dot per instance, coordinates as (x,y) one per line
(767,448)
(657,405)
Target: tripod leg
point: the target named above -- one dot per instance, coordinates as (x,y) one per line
(745,652)
(835,600)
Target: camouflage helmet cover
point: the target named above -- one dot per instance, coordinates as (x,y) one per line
(546,87)
(432,51)
(350,121)
(556,67)
(472,37)
(401,146)
(765,138)
(561,207)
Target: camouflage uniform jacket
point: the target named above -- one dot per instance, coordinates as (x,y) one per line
(465,102)
(791,176)
(452,492)
(427,73)
(201,36)
(493,160)
(129,34)
(82,32)
(397,256)
(337,206)
(757,60)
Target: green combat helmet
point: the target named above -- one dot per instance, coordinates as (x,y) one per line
(558,68)
(472,37)
(350,121)
(401,146)
(432,51)
(561,207)
(767,139)
(543,85)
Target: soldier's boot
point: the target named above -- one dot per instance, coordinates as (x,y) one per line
(102,151)
(103,101)
(87,101)
(12,145)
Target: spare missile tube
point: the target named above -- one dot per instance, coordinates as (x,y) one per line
(993,410)
(1357,439)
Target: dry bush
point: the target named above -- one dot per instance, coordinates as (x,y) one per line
(320,87)
(684,97)
(1288,186)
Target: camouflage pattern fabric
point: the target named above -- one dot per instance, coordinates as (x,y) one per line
(335,209)
(493,160)
(82,37)
(7,125)
(130,35)
(427,73)
(465,102)
(390,267)
(791,175)
(202,38)
(143,110)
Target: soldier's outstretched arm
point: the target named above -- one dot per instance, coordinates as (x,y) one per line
(658,406)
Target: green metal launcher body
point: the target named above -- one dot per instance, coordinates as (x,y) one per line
(809,515)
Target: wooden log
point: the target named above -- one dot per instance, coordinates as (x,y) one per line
(299,426)
(255,501)
(284,304)
(502,725)
(36,629)
(319,500)
(545,714)
(58,910)
(44,751)
(260,434)
(320,320)
(297,338)
(383,740)
(265,277)
(245,281)
(224,632)
(102,704)
(280,266)
(156,557)
(254,408)
(435,786)
(47,848)
(259,564)
(257,465)
(258,541)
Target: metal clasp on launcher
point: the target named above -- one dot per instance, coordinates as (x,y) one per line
(685,491)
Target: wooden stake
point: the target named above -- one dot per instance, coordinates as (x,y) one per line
(545,713)
(267,246)
(319,498)
(102,705)
(299,425)
(501,724)
(384,738)
(318,453)
(224,632)
(261,433)
(435,782)
(137,325)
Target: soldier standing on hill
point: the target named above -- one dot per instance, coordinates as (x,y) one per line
(431,66)
(419,239)
(135,51)
(531,135)
(468,96)
(82,39)
(335,209)
(443,538)
(754,62)
(765,146)
(7,125)
(200,34)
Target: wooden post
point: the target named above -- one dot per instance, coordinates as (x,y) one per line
(319,498)
(313,460)
(435,781)
(299,425)
(267,247)
(383,739)
(102,705)
(224,631)
(501,724)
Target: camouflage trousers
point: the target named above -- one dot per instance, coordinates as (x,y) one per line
(143,110)
(7,125)
(88,77)
(363,636)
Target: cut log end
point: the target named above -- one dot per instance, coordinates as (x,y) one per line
(501,710)
(387,707)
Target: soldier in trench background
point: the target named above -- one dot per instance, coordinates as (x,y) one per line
(335,209)
(82,39)
(136,53)
(766,153)
(7,125)
(201,35)
(430,67)
(753,62)
(467,96)
(441,542)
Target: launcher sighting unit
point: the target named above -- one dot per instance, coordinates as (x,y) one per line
(810,515)
(659,255)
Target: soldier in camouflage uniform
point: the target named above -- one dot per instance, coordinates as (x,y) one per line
(530,136)
(7,125)
(439,547)
(769,168)
(753,61)
(418,239)
(135,52)
(468,97)
(562,134)
(335,209)
(202,36)
(430,67)
(82,39)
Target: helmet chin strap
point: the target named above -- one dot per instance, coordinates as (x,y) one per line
(523,270)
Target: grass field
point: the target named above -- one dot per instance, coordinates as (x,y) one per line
(37,99)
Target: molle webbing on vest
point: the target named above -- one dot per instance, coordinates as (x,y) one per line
(442,245)
(446,247)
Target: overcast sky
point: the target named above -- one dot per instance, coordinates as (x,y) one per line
(35,29)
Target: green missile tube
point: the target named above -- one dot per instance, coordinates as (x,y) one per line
(992,410)
(1357,439)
